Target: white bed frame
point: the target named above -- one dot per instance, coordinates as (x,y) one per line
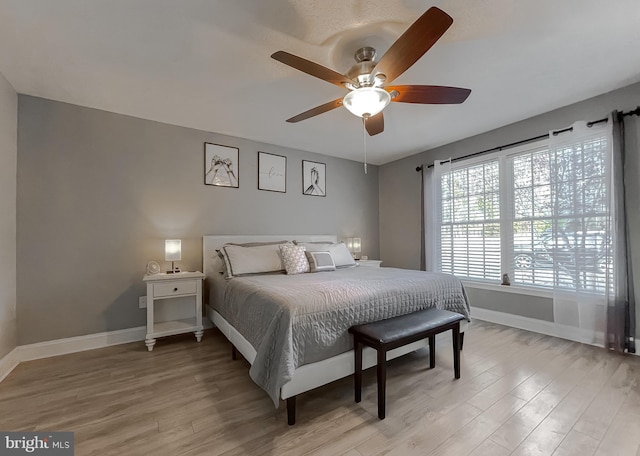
(306,377)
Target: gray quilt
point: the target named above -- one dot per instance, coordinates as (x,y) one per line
(300,319)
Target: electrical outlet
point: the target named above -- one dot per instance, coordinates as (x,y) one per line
(142,302)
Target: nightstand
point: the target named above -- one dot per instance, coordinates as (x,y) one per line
(166,286)
(370,263)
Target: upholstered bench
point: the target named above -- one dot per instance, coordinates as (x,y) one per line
(385,335)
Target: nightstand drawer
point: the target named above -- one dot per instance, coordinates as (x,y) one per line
(161,290)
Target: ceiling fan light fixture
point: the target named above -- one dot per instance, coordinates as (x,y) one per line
(366,101)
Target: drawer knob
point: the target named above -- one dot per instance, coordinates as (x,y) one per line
(175,289)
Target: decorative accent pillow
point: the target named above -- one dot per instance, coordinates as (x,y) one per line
(294,259)
(258,259)
(339,252)
(320,261)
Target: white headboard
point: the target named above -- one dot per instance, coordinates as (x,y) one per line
(212,264)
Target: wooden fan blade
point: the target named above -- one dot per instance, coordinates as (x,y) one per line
(428,94)
(317,110)
(312,68)
(375,124)
(413,43)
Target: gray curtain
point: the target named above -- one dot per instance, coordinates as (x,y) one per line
(423,261)
(428,234)
(621,309)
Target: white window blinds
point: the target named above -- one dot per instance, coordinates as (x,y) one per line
(470,221)
(540,215)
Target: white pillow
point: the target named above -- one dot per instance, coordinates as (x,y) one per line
(260,259)
(339,252)
(341,256)
(223,269)
(294,259)
(320,261)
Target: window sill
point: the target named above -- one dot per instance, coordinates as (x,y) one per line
(515,289)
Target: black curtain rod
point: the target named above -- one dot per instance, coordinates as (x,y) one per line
(633,112)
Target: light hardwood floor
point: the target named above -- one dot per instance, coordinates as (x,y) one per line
(520,393)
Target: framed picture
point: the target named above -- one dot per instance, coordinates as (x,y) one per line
(221,165)
(313,178)
(272,172)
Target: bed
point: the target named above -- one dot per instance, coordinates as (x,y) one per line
(293,328)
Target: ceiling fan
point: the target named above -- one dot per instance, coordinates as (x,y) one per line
(367,80)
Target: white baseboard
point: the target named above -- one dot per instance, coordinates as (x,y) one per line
(515,321)
(73,345)
(69,345)
(80,343)
(532,324)
(8,362)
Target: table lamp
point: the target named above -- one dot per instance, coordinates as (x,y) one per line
(173,252)
(355,247)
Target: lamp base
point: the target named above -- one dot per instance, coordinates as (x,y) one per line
(174,269)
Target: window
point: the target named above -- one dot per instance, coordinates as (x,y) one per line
(470,227)
(541,216)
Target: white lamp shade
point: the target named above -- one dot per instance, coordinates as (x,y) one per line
(173,250)
(366,101)
(354,245)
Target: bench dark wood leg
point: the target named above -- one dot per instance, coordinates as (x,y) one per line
(432,351)
(461,341)
(234,352)
(382,382)
(358,370)
(291,410)
(456,350)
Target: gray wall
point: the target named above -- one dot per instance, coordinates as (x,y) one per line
(536,307)
(400,190)
(8,160)
(99,192)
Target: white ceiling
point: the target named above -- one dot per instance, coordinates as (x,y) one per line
(206,63)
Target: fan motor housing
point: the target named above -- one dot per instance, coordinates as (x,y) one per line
(361,70)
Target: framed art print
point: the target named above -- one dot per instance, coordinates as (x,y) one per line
(221,165)
(272,172)
(314,178)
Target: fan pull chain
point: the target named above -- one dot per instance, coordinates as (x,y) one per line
(364,140)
